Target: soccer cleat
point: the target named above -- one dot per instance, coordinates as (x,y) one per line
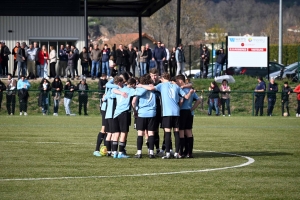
(108,154)
(20,113)
(25,113)
(122,156)
(151,156)
(97,154)
(297,115)
(160,154)
(228,115)
(138,156)
(190,156)
(115,155)
(165,157)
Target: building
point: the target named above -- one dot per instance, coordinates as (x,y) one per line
(131,38)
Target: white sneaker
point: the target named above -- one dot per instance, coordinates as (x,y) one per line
(55,114)
(223,115)
(228,115)
(20,113)
(25,113)
(44,113)
(297,115)
(11,114)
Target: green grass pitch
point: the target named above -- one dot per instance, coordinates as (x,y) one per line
(51,158)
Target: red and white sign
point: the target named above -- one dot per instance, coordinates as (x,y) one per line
(247,51)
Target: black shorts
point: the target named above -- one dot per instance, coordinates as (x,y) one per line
(103,118)
(185,120)
(170,122)
(146,123)
(121,123)
(110,126)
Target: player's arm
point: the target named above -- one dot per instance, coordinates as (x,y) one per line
(196,104)
(181,102)
(123,94)
(133,103)
(188,95)
(147,87)
(189,85)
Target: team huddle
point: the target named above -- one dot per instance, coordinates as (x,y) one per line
(165,103)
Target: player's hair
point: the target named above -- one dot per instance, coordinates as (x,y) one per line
(103,74)
(131,81)
(166,76)
(118,79)
(153,71)
(146,79)
(180,77)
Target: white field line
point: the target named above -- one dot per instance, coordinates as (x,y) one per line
(249,162)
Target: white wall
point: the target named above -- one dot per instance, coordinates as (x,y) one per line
(28,27)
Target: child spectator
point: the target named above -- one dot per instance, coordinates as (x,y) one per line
(286,91)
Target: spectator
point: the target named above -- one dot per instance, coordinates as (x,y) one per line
(95,56)
(220,61)
(149,51)
(121,61)
(84,61)
(2,88)
(52,58)
(159,55)
(37,63)
(172,62)
(83,95)
(112,66)
(101,87)
(260,96)
(90,60)
(21,60)
(286,91)
(142,57)
(23,85)
(4,58)
(225,97)
(272,90)
(166,61)
(69,92)
(31,55)
(70,67)
(44,87)
(43,61)
(137,64)
(105,53)
(205,61)
(213,98)
(11,95)
(297,90)
(180,60)
(63,59)
(56,87)
(15,53)
(131,59)
(76,58)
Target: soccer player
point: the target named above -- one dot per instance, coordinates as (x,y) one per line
(186,119)
(146,113)
(170,110)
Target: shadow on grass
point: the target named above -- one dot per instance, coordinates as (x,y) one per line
(233,154)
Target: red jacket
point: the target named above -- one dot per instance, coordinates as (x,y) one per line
(41,57)
(297,90)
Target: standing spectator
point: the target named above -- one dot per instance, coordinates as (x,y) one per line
(95,56)
(15,53)
(272,90)
(31,54)
(112,66)
(205,61)
(143,56)
(21,60)
(105,53)
(83,96)
(4,58)
(180,60)
(131,59)
(52,58)
(90,60)
(76,58)
(121,56)
(37,63)
(56,87)
(44,87)
(23,85)
(137,64)
(84,61)
(69,92)
(172,62)
(11,95)
(159,55)
(101,87)
(297,90)
(43,60)
(213,98)
(286,91)
(149,51)
(225,97)
(260,96)
(220,61)
(166,61)
(2,88)
(70,67)
(62,64)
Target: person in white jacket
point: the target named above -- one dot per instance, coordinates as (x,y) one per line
(52,58)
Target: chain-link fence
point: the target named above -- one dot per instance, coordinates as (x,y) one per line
(242,103)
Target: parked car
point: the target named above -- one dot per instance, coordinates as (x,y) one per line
(229,71)
(196,73)
(259,71)
(289,71)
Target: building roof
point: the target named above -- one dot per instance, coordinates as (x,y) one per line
(114,8)
(127,38)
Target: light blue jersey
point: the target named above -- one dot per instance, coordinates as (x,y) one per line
(147,103)
(170,98)
(104,103)
(188,103)
(123,104)
(110,105)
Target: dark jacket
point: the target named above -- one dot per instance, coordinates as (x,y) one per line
(121,57)
(71,59)
(105,53)
(82,89)
(20,54)
(206,57)
(101,85)
(181,57)
(284,93)
(131,56)
(62,55)
(149,51)
(83,56)
(69,94)
(214,93)
(221,58)
(43,93)
(272,93)
(55,85)
(5,50)
(159,53)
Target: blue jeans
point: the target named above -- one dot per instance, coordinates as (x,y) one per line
(105,68)
(143,66)
(45,75)
(213,103)
(271,103)
(67,105)
(95,64)
(21,68)
(218,69)
(45,102)
(160,67)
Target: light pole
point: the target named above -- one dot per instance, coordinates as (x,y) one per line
(280,34)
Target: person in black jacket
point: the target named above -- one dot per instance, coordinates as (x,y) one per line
(4,58)
(205,57)
(121,56)
(213,98)
(43,101)
(260,90)
(272,90)
(57,88)
(131,59)
(82,88)
(220,61)
(69,92)
(172,62)
(11,95)
(2,88)
(286,91)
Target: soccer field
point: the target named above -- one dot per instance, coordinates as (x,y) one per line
(235,158)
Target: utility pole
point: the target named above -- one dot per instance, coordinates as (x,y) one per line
(280,34)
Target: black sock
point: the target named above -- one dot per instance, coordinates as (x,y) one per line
(99,141)
(114,146)
(171,143)
(104,138)
(168,141)
(191,145)
(156,139)
(108,145)
(163,146)
(151,142)
(139,142)
(121,147)
(177,141)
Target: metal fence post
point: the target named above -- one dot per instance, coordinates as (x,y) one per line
(190,58)
(212,59)
(253,94)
